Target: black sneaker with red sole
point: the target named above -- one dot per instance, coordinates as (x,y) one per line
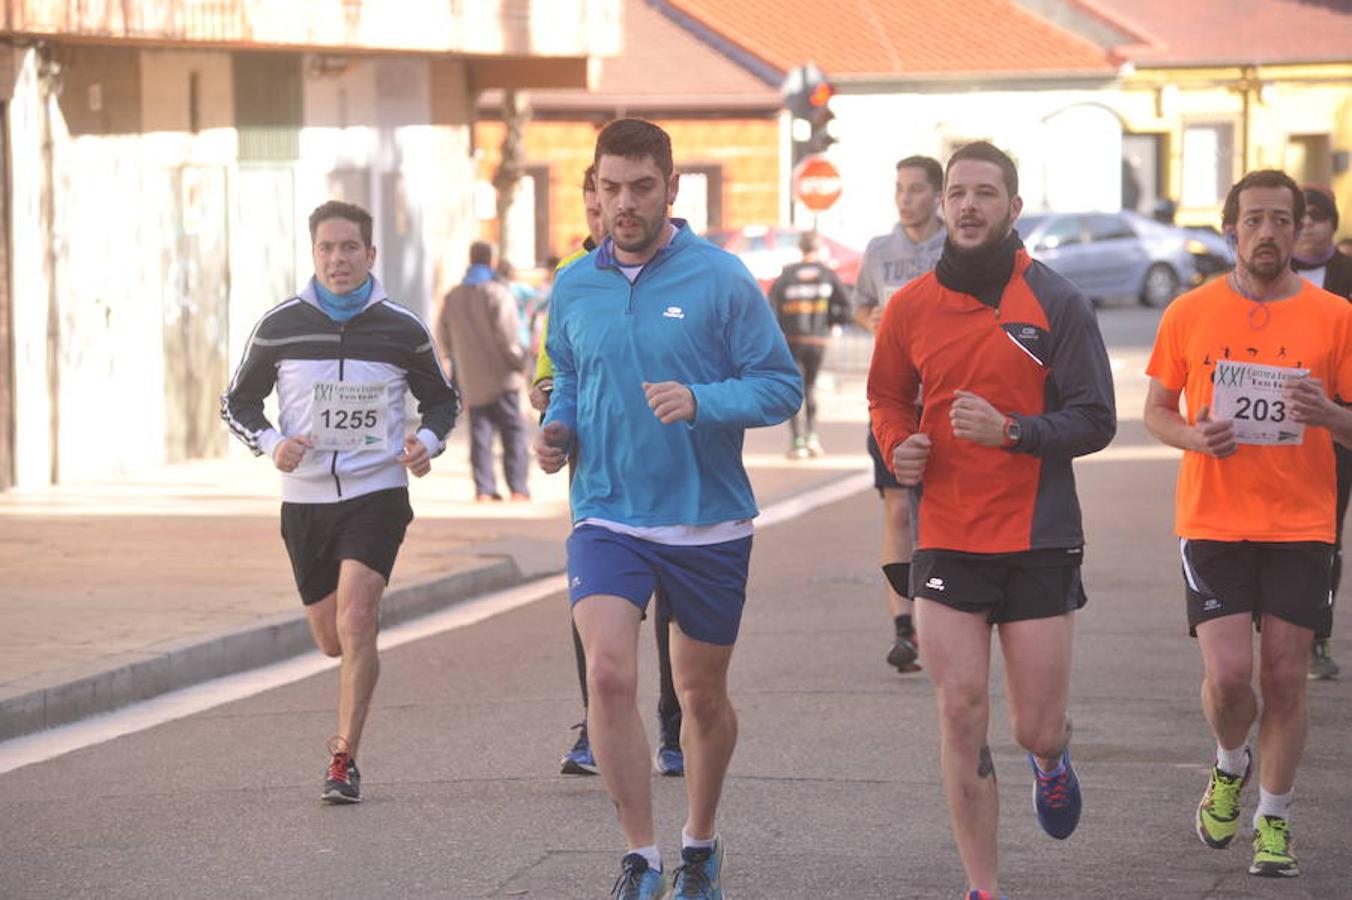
(342,782)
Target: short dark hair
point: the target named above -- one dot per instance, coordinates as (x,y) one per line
(481,253)
(589,179)
(1320,204)
(635,139)
(1274,178)
(809,242)
(985,151)
(933,171)
(337,209)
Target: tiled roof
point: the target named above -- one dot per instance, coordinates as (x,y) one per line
(892,38)
(664,66)
(1231,32)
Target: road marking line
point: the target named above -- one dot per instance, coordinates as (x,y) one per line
(44,745)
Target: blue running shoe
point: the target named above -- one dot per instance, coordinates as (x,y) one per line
(638,881)
(579,760)
(984,895)
(670,761)
(1056,797)
(699,876)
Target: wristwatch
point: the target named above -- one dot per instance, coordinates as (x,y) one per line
(1013,433)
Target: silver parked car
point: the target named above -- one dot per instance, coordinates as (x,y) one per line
(1114,255)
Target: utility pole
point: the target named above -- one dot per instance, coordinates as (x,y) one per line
(516,116)
(49,89)
(1247,84)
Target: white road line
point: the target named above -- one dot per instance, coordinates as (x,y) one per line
(1132,453)
(44,745)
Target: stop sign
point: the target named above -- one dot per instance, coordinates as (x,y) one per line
(816,183)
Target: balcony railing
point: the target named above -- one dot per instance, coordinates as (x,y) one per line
(516,27)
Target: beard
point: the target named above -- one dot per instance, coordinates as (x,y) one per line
(649,232)
(993,238)
(1270,268)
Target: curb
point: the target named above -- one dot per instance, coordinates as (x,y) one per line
(170,665)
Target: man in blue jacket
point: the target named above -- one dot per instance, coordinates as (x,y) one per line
(664,352)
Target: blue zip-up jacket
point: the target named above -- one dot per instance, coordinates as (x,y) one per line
(694,315)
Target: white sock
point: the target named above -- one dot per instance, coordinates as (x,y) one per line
(652,855)
(1231,762)
(1269,804)
(1054,770)
(697,843)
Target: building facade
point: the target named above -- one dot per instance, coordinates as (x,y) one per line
(160,160)
(720,106)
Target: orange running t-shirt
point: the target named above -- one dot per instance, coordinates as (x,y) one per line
(1260,493)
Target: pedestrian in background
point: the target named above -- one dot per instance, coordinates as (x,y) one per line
(526,298)
(1317,261)
(891,261)
(579,760)
(479,330)
(809,301)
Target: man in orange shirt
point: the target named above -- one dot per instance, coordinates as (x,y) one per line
(1017,384)
(1256,355)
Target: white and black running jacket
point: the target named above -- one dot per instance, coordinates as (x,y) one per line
(295,345)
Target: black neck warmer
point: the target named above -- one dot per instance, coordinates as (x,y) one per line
(983,272)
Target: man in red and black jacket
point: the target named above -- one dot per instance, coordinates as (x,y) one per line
(1016,385)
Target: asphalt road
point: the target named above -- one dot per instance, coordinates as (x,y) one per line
(833,792)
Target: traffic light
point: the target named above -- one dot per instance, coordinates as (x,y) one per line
(807,96)
(819,118)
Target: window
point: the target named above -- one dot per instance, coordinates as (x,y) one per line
(1060,232)
(267,105)
(1309,158)
(699,198)
(1208,163)
(1105,227)
(1143,171)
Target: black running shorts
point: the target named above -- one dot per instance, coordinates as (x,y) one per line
(882,475)
(319,536)
(1292,580)
(1006,587)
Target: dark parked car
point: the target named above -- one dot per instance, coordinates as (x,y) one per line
(1113,255)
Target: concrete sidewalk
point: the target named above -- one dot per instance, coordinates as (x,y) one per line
(121,590)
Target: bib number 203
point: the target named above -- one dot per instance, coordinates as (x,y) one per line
(351,419)
(1260,409)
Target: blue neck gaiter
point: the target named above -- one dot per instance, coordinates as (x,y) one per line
(341,307)
(478,274)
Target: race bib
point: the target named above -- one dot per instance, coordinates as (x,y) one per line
(349,416)
(1251,396)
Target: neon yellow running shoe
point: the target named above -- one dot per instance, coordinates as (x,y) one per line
(1218,813)
(1272,855)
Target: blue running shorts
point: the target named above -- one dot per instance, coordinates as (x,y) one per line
(705,585)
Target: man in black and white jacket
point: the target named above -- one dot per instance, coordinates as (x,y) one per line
(341,355)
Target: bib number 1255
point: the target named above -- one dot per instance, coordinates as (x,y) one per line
(350,419)
(349,416)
